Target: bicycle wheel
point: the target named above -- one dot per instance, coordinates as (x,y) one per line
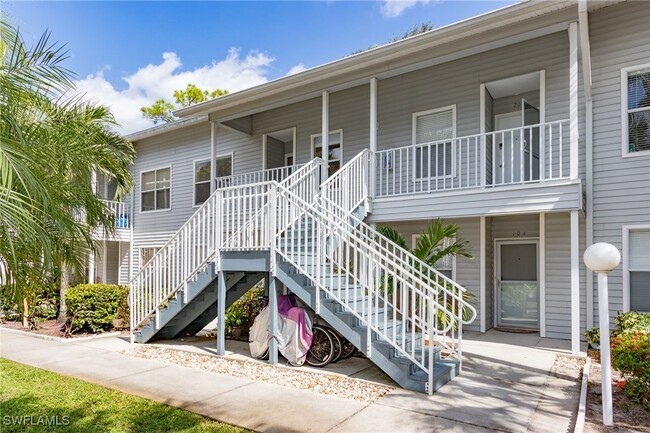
(338,344)
(322,348)
(347,349)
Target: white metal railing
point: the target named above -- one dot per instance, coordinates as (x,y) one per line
(121,211)
(254,231)
(393,294)
(528,154)
(193,246)
(272,174)
(348,187)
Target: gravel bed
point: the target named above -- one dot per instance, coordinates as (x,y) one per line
(569,362)
(328,384)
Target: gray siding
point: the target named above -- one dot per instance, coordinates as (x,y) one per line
(558,276)
(620,38)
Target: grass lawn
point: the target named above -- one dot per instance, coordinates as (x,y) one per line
(41,397)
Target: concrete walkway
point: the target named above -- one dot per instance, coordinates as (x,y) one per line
(508,384)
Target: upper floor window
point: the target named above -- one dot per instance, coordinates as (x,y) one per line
(223,170)
(156,189)
(637,268)
(201,181)
(636,109)
(433,132)
(335,145)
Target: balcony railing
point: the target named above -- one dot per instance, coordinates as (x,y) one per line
(122,213)
(272,174)
(529,154)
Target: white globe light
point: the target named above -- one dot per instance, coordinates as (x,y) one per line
(602,257)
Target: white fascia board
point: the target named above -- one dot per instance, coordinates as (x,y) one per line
(488,22)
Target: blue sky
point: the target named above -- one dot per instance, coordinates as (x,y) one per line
(128,54)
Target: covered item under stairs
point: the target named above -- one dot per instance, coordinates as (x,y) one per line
(294,332)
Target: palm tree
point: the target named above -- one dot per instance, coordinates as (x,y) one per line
(52,143)
(437,242)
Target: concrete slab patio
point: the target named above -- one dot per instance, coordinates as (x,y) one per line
(509,384)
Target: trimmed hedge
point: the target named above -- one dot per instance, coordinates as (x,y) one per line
(94,307)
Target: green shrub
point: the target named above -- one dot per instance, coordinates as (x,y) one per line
(631,356)
(243,311)
(94,307)
(631,322)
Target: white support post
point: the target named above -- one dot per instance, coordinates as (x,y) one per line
(573,100)
(264,151)
(483,153)
(221,313)
(104,262)
(483,271)
(91,268)
(575,285)
(273,321)
(373,135)
(325,137)
(213,156)
(542,275)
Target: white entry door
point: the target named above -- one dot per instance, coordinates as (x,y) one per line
(517,284)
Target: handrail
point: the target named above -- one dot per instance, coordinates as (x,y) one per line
(362,280)
(277,174)
(194,244)
(342,187)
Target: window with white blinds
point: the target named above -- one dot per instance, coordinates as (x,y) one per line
(638,268)
(432,134)
(636,111)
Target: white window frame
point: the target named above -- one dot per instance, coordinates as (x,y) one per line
(626,262)
(171,177)
(624,112)
(313,138)
(194,203)
(414,241)
(230,155)
(414,117)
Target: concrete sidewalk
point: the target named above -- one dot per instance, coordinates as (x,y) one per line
(508,384)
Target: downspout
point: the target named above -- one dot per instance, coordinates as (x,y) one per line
(583,21)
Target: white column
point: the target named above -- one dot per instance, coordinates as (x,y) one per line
(91,267)
(213,155)
(104,262)
(264,151)
(573,100)
(373,136)
(483,272)
(325,131)
(542,275)
(483,151)
(575,284)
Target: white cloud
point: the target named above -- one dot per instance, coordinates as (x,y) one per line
(153,82)
(297,69)
(395,8)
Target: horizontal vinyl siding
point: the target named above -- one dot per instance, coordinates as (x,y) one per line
(558,276)
(125,257)
(620,38)
(146,240)
(467,270)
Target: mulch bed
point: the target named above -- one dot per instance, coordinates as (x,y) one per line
(52,328)
(628,416)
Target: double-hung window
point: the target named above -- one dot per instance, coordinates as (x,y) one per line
(637,268)
(155,189)
(433,133)
(223,171)
(201,181)
(635,84)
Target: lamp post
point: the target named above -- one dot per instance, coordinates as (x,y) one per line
(602,257)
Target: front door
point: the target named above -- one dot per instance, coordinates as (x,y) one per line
(517,284)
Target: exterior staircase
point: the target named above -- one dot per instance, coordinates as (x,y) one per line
(404,315)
